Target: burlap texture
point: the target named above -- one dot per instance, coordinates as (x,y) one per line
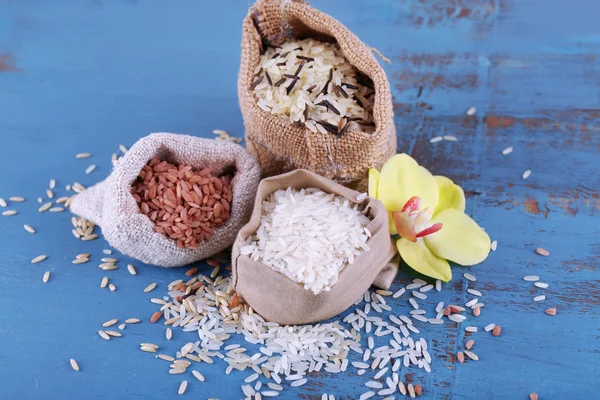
(110,205)
(281,146)
(279,299)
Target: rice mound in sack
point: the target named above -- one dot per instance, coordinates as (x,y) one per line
(311,249)
(312,95)
(173,199)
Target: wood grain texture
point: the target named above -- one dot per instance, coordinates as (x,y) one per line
(87,75)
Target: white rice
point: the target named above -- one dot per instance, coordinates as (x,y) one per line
(309,236)
(531,278)
(300,104)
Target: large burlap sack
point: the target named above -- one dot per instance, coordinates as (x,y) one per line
(281,146)
(279,299)
(110,205)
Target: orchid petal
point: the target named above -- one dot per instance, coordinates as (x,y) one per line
(461,240)
(405,225)
(402,178)
(431,230)
(450,195)
(418,256)
(373,182)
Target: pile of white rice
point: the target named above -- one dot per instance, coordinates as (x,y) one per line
(309,236)
(313,83)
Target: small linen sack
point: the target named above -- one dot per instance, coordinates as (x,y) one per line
(110,205)
(282,146)
(279,299)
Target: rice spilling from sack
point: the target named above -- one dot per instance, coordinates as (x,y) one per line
(311,82)
(309,236)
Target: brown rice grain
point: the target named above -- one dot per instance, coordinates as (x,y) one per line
(469,344)
(155,317)
(418,389)
(551,311)
(460,357)
(496,331)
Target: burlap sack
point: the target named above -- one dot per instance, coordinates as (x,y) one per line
(110,205)
(281,146)
(279,299)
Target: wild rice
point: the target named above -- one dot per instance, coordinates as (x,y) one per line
(29,228)
(46,276)
(9,213)
(324,91)
(38,259)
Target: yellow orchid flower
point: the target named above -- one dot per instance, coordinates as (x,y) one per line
(428,212)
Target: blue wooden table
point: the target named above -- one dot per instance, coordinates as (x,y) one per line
(89,75)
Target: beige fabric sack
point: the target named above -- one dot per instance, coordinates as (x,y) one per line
(279,299)
(281,146)
(110,205)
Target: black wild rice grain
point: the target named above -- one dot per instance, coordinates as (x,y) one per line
(279,82)
(310,89)
(324,90)
(331,107)
(300,67)
(268,78)
(305,58)
(288,90)
(275,56)
(360,103)
(342,91)
(290,76)
(349,86)
(329,127)
(281,63)
(256,83)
